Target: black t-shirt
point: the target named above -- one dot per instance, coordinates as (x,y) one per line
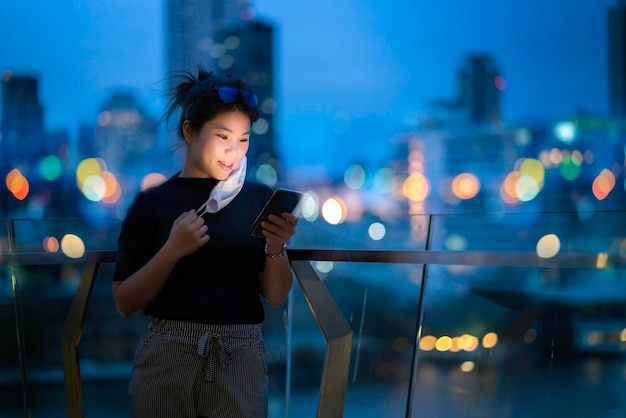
(217,284)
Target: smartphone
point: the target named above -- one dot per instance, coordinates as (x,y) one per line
(282,200)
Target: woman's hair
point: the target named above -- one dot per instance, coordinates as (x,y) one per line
(199,100)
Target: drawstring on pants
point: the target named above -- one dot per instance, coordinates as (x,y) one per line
(210,343)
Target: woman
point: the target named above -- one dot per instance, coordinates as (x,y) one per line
(186,259)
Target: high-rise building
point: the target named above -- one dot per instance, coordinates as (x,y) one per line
(617,59)
(249,53)
(191,27)
(480,84)
(22,136)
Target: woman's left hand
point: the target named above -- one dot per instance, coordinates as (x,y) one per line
(279,230)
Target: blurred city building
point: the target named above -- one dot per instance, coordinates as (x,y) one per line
(480,86)
(478,101)
(23,134)
(124,134)
(191,28)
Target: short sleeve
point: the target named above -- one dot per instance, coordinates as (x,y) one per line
(136,239)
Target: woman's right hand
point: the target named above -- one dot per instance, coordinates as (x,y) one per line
(188,233)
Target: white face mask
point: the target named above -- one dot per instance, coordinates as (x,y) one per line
(225,191)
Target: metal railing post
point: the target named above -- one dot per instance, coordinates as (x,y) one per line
(72,332)
(338,335)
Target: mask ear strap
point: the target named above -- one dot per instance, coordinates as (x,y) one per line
(202,209)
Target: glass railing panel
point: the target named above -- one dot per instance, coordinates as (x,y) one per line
(380,302)
(48,234)
(46,292)
(368,233)
(492,350)
(509,340)
(565,232)
(11,394)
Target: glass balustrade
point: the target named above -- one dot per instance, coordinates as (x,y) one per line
(493,315)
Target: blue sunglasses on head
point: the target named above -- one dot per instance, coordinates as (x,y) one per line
(228,94)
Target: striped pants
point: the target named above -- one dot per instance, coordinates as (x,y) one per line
(191,370)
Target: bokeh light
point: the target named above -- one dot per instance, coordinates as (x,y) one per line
(334,211)
(468,342)
(443,343)
(603,184)
(94,188)
(309,206)
(72,246)
(467,366)
(427,343)
(548,246)
(267,174)
(17,184)
(385,180)
(87,168)
(569,168)
(533,168)
(113,190)
(354,177)
(416,187)
(152,180)
(376,231)
(465,186)
(507,190)
(490,340)
(565,131)
(500,83)
(261,126)
(51,244)
(324,266)
(50,167)
(526,188)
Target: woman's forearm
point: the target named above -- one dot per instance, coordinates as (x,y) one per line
(144,285)
(276,280)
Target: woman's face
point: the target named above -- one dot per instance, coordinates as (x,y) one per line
(218,148)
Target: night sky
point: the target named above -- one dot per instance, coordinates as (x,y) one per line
(351,73)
